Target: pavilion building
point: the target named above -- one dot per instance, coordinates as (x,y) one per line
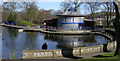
(71,20)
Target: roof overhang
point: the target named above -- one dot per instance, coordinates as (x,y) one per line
(71,15)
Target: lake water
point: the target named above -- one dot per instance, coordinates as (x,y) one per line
(14,41)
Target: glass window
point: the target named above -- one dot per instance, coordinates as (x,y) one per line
(76,19)
(64,19)
(68,19)
(71,19)
(80,19)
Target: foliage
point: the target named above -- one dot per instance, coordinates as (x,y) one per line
(25,23)
(11,17)
(31,11)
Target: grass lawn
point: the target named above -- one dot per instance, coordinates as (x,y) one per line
(108,28)
(104,57)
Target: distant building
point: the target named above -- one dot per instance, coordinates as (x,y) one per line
(100,18)
(101,22)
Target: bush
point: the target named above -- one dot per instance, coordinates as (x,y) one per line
(25,23)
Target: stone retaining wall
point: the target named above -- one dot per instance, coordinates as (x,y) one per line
(67,52)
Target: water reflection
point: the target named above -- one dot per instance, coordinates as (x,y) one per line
(18,41)
(69,41)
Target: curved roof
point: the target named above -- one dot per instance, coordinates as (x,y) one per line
(71,14)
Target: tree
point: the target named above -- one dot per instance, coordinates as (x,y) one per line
(108,8)
(92,7)
(55,12)
(71,5)
(9,8)
(117,29)
(44,14)
(31,11)
(11,17)
(65,5)
(76,5)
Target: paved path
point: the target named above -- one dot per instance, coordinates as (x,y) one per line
(60,32)
(79,32)
(13,26)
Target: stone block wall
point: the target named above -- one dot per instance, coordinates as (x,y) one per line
(67,52)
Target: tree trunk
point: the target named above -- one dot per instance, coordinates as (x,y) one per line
(117,29)
(110,14)
(107,19)
(107,15)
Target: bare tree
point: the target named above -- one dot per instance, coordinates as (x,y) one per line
(92,7)
(108,8)
(117,28)
(71,5)
(76,5)
(65,5)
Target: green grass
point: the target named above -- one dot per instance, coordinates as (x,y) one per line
(105,57)
(108,28)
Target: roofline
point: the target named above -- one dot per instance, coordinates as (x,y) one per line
(72,15)
(89,20)
(49,19)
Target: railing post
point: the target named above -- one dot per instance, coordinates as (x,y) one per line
(53,54)
(14,54)
(10,54)
(101,48)
(80,51)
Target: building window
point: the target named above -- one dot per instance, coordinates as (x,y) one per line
(64,19)
(80,19)
(71,20)
(76,19)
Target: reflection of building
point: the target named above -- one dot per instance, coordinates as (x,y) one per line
(70,44)
(68,41)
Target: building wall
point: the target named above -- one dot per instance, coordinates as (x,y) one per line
(68,23)
(89,24)
(69,26)
(101,23)
(51,22)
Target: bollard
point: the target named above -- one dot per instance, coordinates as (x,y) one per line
(53,54)
(14,54)
(80,53)
(10,54)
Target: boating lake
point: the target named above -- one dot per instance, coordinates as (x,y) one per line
(14,41)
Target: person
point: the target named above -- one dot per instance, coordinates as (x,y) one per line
(44,46)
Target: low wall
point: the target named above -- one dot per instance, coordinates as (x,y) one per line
(30,54)
(13,26)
